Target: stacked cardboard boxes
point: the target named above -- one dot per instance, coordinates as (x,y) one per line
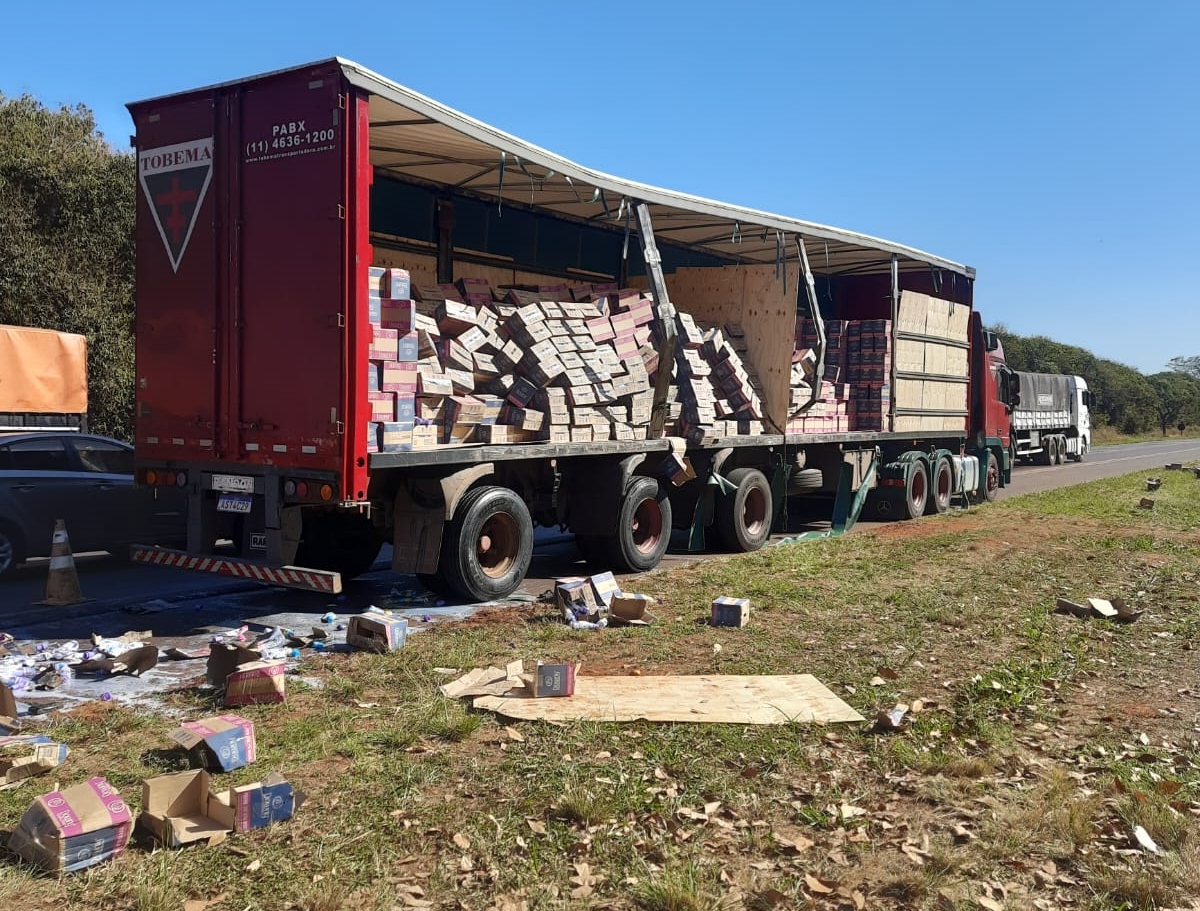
(855,392)
(716,388)
(392,368)
(831,412)
(869,367)
(481,366)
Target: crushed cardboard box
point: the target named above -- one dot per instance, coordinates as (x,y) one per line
(629,609)
(74,828)
(222,742)
(377,631)
(24,756)
(255,683)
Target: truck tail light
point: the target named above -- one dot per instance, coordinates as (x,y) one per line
(181,479)
(151,477)
(326,492)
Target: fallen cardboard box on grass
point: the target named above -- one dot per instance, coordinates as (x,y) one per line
(714,699)
(182,808)
(77,827)
(24,756)
(376,631)
(223,742)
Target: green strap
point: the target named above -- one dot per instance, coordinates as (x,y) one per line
(706,507)
(847,507)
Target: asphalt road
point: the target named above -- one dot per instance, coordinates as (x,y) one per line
(115,586)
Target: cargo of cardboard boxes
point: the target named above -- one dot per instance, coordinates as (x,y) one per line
(466,363)
(856,385)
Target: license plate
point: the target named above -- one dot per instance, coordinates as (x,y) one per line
(234,483)
(234,503)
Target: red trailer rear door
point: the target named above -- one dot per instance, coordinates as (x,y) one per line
(241,255)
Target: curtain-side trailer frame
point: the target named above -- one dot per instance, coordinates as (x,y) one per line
(330,167)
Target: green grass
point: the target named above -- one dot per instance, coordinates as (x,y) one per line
(1116,501)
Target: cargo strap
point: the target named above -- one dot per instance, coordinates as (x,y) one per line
(847,507)
(706,507)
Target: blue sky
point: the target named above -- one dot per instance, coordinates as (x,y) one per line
(1052,146)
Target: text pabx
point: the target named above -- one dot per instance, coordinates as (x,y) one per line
(288,129)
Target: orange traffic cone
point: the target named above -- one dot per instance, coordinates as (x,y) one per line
(62,588)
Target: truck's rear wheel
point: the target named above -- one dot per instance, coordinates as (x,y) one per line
(916,492)
(942,488)
(991,478)
(643,526)
(488,544)
(345,543)
(744,516)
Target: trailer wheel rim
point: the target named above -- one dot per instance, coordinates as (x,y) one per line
(916,488)
(646,527)
(993,477)
(497,545)
(754,511)
(945,483)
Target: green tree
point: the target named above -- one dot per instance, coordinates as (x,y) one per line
(1186,365)
(1178,399)
(66,244)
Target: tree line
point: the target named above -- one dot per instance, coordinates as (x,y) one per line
(67,201)
(67,246)
(1126,399)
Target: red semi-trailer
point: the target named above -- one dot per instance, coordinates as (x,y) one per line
(857,366)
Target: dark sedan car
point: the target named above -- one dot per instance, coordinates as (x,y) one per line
(88,482)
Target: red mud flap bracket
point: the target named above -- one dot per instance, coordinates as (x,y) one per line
(317,580)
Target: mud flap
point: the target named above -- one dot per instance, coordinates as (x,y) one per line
(706,506)
(417,538)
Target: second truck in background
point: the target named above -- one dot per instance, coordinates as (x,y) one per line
(1052,419)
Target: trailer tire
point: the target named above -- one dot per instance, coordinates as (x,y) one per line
(643,526)
(916,491)
(991,484)
(941,488)
(338,542)
(805,480)
(744,517)
(1078,457)
(488,544)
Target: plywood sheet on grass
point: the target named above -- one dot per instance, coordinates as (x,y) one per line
(717,699)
